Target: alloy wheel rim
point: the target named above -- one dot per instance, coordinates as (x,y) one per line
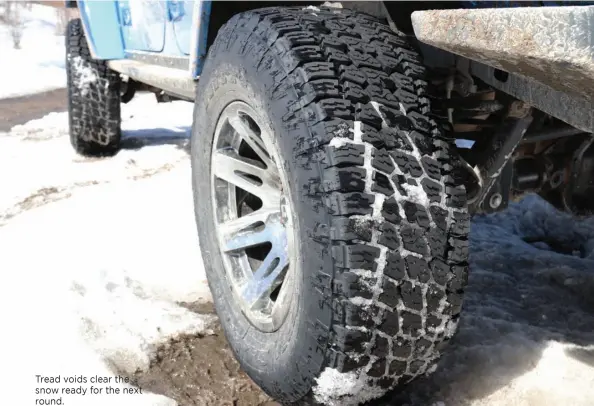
(253,216)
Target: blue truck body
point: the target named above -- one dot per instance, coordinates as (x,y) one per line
(170,28)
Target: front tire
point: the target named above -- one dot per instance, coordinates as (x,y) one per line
(93,98)
(377,245)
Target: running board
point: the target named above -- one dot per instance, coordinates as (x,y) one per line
(172,80)
(552,45)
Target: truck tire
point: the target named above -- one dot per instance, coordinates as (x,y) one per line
(332,231)
(93,98)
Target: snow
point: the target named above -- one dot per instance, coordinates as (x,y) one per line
(97,267)
(39,64)
(415,193)
(58,171)
(335,388)
(85,73)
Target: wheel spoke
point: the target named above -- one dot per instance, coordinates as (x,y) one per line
(250,237)
(240,171)
(251,138)
(232,227)
(267,277)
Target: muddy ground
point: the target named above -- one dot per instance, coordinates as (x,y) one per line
(201,370)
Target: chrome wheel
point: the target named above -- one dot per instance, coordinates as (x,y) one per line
(253,216)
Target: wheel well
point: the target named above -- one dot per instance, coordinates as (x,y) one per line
(222,11)
(399,12)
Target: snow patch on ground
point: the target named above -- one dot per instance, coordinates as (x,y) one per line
(42,162)
(103,270)
(97,275)
(40,63)
(335,388)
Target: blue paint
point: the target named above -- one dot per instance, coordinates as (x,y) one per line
(171,47)
(142,24)
(202,38)
(175,10)
(125,14)
(102,27)
(181,19)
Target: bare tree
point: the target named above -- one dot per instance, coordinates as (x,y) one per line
(12,16)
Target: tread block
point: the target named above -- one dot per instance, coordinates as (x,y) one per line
(412,240)
(390,294)
(382,161)
(357,256)
(350,285)
(433,189)
(345,155)
(412,295)
(349,229)
(353,340)
(395,266)
(391,211)
(381,184)
(347,204)
(389,236)
(417,269)
(344,180)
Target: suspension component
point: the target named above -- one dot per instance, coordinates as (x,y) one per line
(551,134)
(494,167)
(578,194)
(530,174)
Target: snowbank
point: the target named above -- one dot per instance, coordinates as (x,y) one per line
(39,64)
(103,270)
(96,271)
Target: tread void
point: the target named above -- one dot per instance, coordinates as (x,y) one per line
(93,98)
(397,222)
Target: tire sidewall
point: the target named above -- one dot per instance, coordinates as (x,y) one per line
(292,352)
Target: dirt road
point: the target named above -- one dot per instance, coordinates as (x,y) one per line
(19,110)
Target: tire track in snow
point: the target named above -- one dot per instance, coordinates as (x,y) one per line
(51,194)
(43,169)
